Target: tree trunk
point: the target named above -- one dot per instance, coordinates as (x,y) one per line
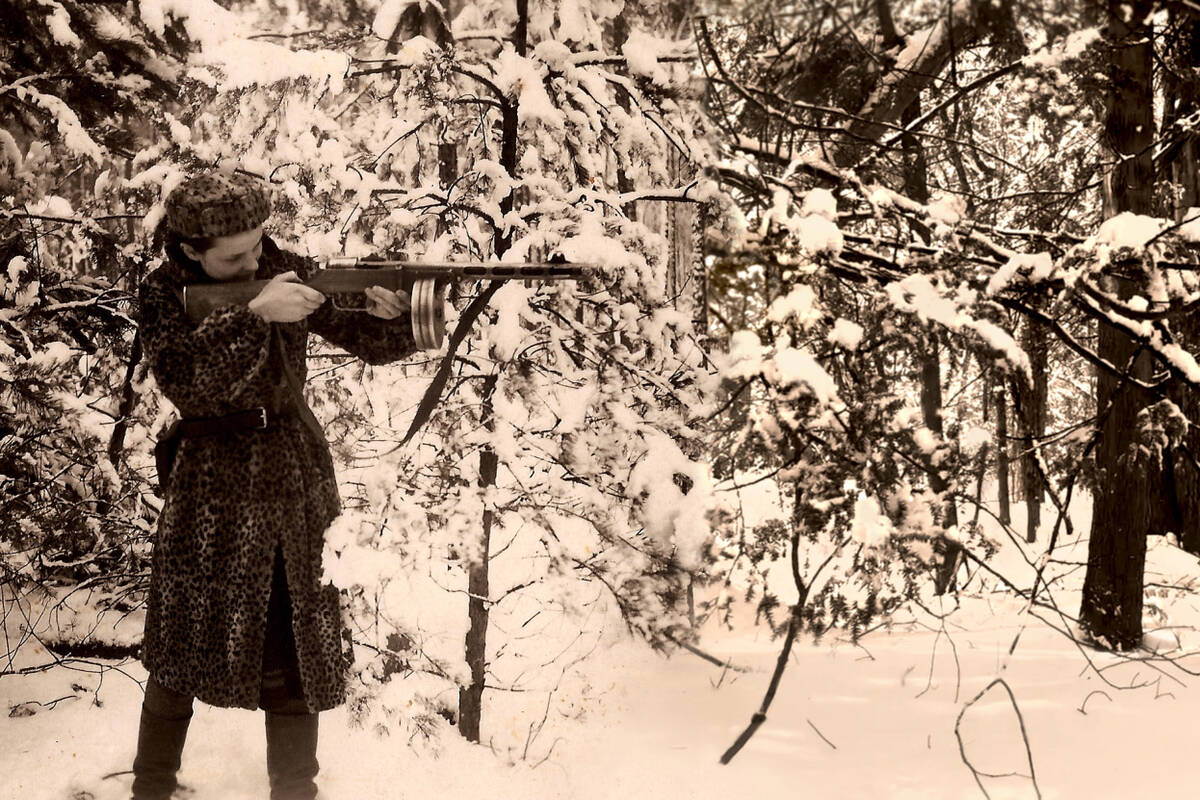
(998,395)
(916,185)
(1033,425)
(931,412)
(433,23)
(470,698)
(1182,513)
(1111,609)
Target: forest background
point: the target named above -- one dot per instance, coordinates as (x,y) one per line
(882,257)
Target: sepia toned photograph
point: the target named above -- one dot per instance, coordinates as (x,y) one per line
(599,399)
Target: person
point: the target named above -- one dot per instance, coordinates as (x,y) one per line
(237,615)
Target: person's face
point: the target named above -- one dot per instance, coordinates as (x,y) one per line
(230,258)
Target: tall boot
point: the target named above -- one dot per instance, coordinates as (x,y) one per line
(292,755)
(159,749)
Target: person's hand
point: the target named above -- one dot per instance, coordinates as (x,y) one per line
(286,299)
(386,304)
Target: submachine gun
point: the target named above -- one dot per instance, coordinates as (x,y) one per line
(345,280)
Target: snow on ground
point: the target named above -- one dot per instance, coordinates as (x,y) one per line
(872,720)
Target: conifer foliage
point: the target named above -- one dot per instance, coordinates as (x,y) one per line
(923,218)
(985,204)
(563,462)
(79,85)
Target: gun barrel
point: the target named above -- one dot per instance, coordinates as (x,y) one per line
(352,275)
(459,270)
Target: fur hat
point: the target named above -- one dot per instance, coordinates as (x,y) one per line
(217,204)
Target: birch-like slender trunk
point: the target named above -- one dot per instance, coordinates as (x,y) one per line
(470,697)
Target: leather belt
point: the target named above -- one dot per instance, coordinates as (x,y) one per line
(252,419)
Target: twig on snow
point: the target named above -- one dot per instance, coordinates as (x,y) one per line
(795,622)
(824,738)
(725,665)
(1083,706)
(962,748)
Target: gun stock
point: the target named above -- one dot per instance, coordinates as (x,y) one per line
(424,281)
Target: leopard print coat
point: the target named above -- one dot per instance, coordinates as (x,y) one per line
(232,499)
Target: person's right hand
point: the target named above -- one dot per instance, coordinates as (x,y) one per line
(285,299)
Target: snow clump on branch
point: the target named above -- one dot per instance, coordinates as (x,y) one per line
(870,526)
(1128,230)
(917,294)
(675,499)
(846,333)
(225,44)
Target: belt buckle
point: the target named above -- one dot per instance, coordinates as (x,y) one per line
(262,418)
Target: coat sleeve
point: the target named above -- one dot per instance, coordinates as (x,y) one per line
(221,364)
(374,340)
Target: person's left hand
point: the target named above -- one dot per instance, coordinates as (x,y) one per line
(386,304)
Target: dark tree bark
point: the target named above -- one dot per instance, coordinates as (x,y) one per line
(931,411)
(1033,424)
(1182,511)
(470,698)
(1111,609)
(432,22)
(1002,476)
(916,185)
